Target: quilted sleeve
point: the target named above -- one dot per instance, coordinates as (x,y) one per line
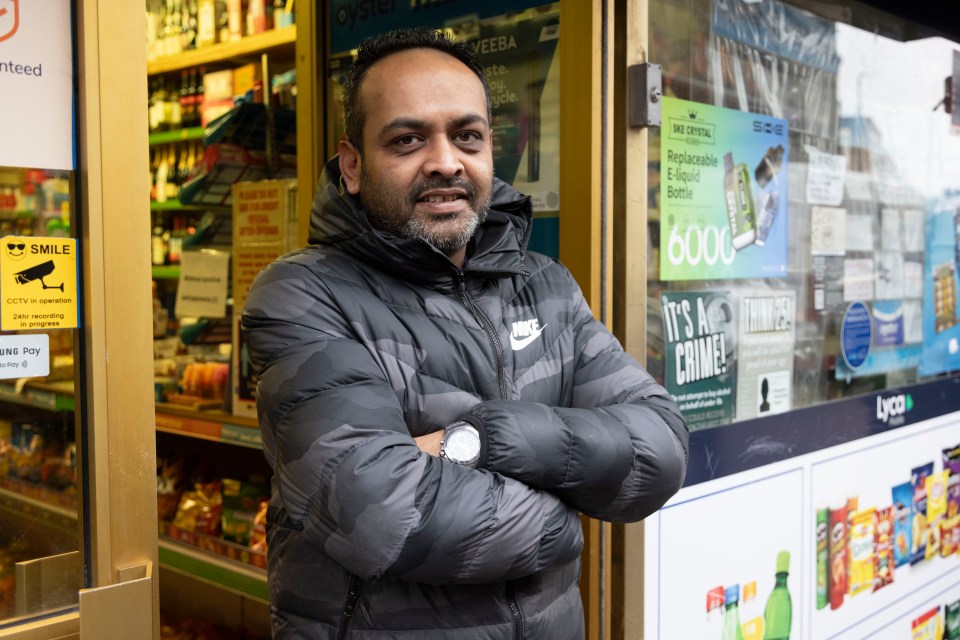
(349,473)
(618,452)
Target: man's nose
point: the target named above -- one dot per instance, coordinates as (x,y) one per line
(443,159)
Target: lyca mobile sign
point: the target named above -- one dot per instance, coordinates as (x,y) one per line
(38,283)
(36,84)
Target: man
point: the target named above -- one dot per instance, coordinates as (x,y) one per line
(438,403)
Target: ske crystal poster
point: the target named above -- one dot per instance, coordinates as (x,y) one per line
(723,193)
(699,332)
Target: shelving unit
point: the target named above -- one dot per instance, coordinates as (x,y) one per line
(244,576)
(196,568)
(179,135)
(266,42)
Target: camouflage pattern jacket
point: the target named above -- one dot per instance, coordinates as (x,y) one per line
(362,340)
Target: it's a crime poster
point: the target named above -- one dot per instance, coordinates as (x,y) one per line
(699,330)
(723,193)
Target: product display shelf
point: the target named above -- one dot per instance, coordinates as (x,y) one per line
(216,426)
(248,46)
(232,575)
(179,135)
(165,272)
(53,396)
(176,205)
(38,503)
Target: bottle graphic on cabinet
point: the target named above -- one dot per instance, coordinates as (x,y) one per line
(731,617)
(750,613)
(715,602)
(779,611)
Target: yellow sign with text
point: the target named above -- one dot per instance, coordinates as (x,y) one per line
(38,283)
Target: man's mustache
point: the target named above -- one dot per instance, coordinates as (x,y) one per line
(442,183)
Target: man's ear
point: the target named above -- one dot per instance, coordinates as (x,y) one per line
(349,166)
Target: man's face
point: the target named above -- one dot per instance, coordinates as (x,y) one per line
(427,165)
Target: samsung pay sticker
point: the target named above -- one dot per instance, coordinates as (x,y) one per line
(25,356)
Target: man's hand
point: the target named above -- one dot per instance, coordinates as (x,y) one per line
(430,443)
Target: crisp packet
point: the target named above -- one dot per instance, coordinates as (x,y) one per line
(918,478)
(883,561)
(936,510)
(902,523)
(861,551)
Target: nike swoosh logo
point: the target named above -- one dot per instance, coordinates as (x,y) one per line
(2,12)
(518,344)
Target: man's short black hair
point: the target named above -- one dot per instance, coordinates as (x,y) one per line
(375,48)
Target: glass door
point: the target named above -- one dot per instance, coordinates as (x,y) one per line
(77,521)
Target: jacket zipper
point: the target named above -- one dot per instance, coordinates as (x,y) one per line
(353,594)
(484,322)
(515,610)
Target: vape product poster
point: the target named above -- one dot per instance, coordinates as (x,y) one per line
(699,330)
(723,193)
(941,332)
(765,353)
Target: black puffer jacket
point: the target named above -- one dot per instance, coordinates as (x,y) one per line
(363,340)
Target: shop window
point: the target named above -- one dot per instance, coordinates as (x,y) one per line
(804,209)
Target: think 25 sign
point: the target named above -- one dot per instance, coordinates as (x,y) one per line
(9,18)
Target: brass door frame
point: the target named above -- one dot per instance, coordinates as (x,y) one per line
(586,231)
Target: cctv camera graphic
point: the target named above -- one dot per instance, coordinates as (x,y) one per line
(38,272)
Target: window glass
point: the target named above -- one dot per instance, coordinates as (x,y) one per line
(803,209)
(40,568)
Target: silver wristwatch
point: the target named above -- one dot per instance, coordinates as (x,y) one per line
(461,444)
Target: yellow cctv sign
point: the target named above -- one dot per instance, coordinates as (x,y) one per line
(38,283)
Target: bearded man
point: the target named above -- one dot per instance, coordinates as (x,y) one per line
(438,403)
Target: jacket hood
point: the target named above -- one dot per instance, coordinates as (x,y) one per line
(498,246)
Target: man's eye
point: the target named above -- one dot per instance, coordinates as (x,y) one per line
(405,141)
(469,136)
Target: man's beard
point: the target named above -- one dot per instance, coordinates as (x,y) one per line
(395,212)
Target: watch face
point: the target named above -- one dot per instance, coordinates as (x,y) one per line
(462,444)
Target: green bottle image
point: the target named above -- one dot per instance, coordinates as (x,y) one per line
(778,615)
(731,617)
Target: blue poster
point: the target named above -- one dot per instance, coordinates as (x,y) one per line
(941,331)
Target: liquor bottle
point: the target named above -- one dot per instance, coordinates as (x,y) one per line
(731,617)
(175,114)
(158,246)
(185,99)
(779,611)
